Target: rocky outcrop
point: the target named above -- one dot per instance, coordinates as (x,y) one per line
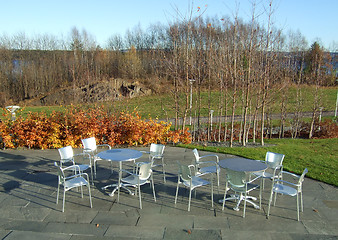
(114,89)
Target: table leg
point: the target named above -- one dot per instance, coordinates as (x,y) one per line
(119,185)
(239,199)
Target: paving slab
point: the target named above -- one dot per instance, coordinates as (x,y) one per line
(4,233)
(188,233)
(115,218)
(27,235)
(24,213)
(76,228)
(129,232)
(165,220)
(23,225)
(71,216)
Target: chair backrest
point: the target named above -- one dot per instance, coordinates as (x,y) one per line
(145,171)
(184,172)
(157,149)
(66,154)
(274,160)
(89,144)
(236,178)
(197,155)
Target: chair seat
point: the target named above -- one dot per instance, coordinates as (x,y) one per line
(264,174)
(250,187)
(284,189)
(84,167)
(209,169)
(196,182)
(133,180)
(75,182)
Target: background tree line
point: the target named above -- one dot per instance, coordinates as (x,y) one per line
(248,62)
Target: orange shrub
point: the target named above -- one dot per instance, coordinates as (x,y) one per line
(59,129)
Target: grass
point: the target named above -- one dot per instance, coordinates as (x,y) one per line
(162,106)
(320,156)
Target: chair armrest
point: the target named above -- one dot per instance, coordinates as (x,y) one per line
(140,163)
(145,152)
(82,154)
(283,181)
(157,156)
(104,145)
(126,171)
(210,155)
(254,179)
(193,167)
(87,149)
(72,167)
(291,174)
(204,162)
(77,175)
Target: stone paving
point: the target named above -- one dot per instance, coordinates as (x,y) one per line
(28,208)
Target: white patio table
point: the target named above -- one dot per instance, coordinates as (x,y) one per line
(242,165)
(119,155)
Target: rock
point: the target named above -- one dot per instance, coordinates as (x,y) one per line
(114,89)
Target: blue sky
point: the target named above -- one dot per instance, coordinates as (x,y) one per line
(315,19)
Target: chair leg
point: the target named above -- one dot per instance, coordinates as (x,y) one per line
(189,199)
(164,180)
(212,194)
(64,199)
(260,196)
(90,196)
(91,173)
(152,183)
(297,208)
(270,200)
(57,194)
(274,201)
(225,193)
(244,203)
(301,201)
(95,168)
(81,187)
(263,181)
(217,173)
(176,192)
(139,193)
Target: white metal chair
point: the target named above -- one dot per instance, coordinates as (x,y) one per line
(274,161)
(239,182)
(89,146)
(142,176)
(67,156)
(191,181)
(206,167)
(288,188)
(157,153)
(79,179)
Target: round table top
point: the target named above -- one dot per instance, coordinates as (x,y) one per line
(242,164)
(120,154)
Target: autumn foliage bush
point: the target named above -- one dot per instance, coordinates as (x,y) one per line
(60,129)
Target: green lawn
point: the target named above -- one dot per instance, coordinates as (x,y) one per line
(162,106)
(320,156)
